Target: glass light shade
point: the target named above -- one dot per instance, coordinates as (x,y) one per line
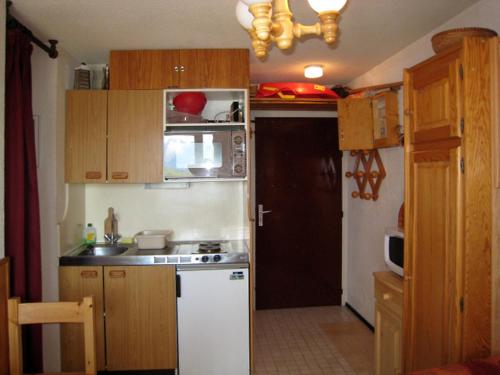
(243,15)
(327,5)
(313,71)
(251,2)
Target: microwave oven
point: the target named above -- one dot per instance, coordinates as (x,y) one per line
(394,250)
(204,153)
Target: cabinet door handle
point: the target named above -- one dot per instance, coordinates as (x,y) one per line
(93,175)
(182,68)
(176,68)
(386,296)
(119,175)
(119,274)
(89,274)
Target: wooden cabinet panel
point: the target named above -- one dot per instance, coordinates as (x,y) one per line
(387,341)
(367,123)
(135,136)
(86,118)
(140,317)
(448,200)
(214,68)
(388,326)
(433,256)
(74,284)
(143,69)
(355,124)
(434,104)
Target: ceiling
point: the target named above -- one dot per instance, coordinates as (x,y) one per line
(370,31)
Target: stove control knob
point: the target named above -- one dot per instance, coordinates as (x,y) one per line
(204,259)
(217,258)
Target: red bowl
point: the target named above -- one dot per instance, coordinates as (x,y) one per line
(190,102)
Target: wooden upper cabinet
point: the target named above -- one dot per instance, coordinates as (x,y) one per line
(190,68)
(367,123)
(74,284)
(85,153)
(433,256)
(355,126)
(143,69)
(140,318)
(434,104)
(217,68)
(135,136)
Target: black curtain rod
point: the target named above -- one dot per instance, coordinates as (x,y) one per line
(13,23)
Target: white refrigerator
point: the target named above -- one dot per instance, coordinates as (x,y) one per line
(213,320)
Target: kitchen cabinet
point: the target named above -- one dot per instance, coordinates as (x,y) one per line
(367,123)
(86,119)
(388,326)
(135,136)
(74,284)
(448,215)
(185,68)
(138,331)
(114,136)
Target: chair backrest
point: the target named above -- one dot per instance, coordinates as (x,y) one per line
(50,312)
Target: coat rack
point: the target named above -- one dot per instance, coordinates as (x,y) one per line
(364,175)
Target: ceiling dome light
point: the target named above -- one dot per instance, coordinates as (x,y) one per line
(313,71)
(245,18)
(322,6)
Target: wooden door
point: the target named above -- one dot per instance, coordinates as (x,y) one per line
(433,256)
(140,317)
(298,244)
(74,284)
(143,69)
(214,68)
(85,143)
(135,136)
(434,103)
(355,124)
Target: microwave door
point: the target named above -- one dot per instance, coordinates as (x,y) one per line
(197,154)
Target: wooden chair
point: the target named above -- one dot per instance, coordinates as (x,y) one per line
(51,312)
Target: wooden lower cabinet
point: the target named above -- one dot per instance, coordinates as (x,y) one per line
(74,284)
(141,325)
(135,316)
(388,325)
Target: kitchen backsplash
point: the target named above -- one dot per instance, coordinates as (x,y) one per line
(206,210)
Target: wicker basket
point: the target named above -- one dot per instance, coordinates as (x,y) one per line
(449,38)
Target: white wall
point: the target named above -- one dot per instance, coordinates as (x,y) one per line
(204,210)
(50,79)
(367,220)
(2,126)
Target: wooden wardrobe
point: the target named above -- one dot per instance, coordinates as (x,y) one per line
(448,200)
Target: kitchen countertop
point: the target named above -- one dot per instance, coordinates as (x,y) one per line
(174,253)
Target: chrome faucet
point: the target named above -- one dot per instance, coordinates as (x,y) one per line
(111,238)
(111,235)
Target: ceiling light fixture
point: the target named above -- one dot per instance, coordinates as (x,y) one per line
(271,20)
(313,71)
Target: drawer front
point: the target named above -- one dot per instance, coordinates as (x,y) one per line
(389,298)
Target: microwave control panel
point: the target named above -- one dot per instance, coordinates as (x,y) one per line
(239,153)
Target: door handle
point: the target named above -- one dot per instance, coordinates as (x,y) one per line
(261,213)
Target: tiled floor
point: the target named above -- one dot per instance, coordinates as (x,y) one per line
(312,341)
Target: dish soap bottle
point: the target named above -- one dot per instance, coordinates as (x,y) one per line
(89,235)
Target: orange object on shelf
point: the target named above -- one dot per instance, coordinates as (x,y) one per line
(292,90)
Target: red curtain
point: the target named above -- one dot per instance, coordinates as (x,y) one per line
(22,219)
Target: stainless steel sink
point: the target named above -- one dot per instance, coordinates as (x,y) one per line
(103,250)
